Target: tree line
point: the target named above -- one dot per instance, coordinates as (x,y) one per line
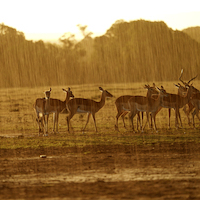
(128,52)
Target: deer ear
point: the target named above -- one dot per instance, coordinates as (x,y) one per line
(158,88)
(101,89)
(176,85)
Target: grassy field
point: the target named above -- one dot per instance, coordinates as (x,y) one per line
(18,119)
(103,165)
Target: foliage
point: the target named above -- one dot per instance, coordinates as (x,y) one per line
(193,32)
(127,52)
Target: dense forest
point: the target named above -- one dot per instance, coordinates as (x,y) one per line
(128,52)
(193,32)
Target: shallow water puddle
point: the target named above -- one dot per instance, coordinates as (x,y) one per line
(88,176)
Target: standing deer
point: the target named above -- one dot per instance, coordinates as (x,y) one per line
(176,102)
(57,106)
(182,90)
(121,104)
(40,106)
(89,106)
(146,104)
(44,107)
(195,101)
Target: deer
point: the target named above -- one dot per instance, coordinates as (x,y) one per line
(54,106)
(182,90)
(121,104)
(40,106)
(195,101)
(89,106)
(176,102)
(151,104)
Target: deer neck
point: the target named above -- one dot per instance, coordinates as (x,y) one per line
(149,94)
(182,93)
(47,104)
(67,98)
(101,103)
(187,96)
(155,101)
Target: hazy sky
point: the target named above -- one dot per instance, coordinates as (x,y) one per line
(48,19)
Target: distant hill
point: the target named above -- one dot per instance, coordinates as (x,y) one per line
(135,51)
(145,51)
(193,32)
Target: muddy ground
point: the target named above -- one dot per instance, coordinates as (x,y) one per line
(164,171)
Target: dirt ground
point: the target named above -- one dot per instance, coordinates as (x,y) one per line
(164,171)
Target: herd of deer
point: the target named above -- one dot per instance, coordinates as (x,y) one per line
(155,99)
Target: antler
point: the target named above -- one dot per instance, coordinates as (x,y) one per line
(186,84)
(192,79)
(182,80)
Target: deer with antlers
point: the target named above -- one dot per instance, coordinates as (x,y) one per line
(121,104)
(177,101)
(151,104)
(194,103)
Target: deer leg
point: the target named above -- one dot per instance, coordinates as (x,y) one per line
(88,117)
(93,115)
(169,117)
(68,119)
(154,120)
(131,116)
(123,118)
(190,105)
(47,123)
(39,120)
(131,120)
(141,124)
(120,112)
(176,118)
(179,116)
(56,119)
(41,124)
(46,119)
(149,123)
(197,114)
(138,120)
(116,122)
(193,114)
